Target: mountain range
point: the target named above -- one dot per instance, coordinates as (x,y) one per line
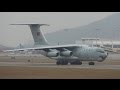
(106,28)
(2,47)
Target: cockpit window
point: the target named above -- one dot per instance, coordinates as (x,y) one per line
(100,50)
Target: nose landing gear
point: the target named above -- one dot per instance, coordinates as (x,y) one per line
(91,63)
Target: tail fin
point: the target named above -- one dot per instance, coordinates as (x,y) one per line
(39,38)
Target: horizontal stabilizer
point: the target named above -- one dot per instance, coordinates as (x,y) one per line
(32,24)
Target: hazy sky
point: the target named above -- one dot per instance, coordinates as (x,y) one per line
(13,35)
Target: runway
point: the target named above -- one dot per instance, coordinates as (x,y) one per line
(53,65)
(40,67)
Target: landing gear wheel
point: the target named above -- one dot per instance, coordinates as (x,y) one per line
(72,63)
(80,63)
(62,63)
(91,63)
(57,63)
(65,62)
(76,63)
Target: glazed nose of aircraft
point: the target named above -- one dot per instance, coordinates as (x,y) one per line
(104,55)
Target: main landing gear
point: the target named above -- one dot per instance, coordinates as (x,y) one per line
(76,63)
(66,63)
(62,62)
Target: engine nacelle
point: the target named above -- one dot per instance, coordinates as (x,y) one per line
(52,54)
(66,53)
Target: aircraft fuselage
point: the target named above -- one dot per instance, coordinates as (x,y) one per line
(85,53)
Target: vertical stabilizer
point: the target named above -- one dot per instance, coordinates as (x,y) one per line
(39,38)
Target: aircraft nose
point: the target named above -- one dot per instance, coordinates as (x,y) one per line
(104,56)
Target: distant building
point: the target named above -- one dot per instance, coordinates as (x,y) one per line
(97,42)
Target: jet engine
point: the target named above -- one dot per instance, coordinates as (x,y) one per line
(66,53)
(52,54)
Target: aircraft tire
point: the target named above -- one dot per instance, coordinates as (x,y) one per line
(80,63)
(76,63)
(72,63)
(58,63)
(62,62)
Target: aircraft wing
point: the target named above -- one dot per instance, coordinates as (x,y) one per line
(47,48)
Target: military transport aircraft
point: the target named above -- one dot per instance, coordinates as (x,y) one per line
(64,54)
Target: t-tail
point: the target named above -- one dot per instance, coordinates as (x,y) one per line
(39,38)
